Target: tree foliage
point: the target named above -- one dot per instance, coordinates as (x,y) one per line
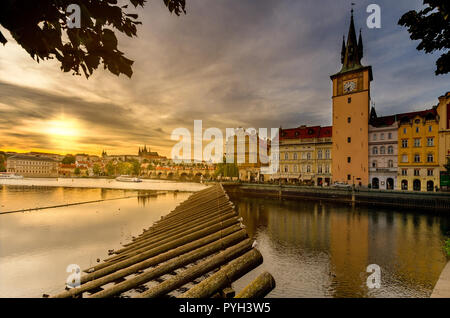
(431,26)
(40,27)
(68,160)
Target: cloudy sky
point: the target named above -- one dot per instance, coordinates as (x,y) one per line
(230,63)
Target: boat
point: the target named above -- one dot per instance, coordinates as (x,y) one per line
(9,175)
(126,178)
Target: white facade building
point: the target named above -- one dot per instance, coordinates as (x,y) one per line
(383,152)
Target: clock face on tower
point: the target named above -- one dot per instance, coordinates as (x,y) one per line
(349,86)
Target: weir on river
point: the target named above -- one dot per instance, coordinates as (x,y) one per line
(198,250)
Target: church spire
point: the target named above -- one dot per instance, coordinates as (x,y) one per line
(353,49)
(360,46)
(343,50)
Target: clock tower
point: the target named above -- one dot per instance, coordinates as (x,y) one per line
(351,103)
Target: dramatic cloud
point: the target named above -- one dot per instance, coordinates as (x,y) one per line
(230,63)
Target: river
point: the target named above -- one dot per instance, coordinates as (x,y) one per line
(312,249)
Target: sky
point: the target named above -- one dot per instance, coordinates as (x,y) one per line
(230,63)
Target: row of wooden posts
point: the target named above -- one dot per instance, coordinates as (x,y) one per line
(198,250)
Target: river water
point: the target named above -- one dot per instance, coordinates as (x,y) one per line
(312,249)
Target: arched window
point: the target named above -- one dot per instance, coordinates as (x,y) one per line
(390,150)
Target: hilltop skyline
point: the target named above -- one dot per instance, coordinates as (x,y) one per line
(211,64)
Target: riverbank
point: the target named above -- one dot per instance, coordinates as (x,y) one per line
(442,287)
(146,184)
(405,199)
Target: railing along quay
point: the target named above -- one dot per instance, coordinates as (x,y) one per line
(197,250)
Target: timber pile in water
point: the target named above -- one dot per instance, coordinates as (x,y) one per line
(198,250)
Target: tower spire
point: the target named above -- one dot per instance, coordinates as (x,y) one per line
(353,49)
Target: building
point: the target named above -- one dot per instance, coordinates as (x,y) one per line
(443,110)
(244,147)
(32,166)
(350,111)
(418,164)
(305,155)
(149,155)
(383,151)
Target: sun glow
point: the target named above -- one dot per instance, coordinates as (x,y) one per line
(62,129)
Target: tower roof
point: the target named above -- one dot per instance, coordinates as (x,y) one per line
(353,51)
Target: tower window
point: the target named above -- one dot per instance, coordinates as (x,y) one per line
(349,139)
(349,100)
(349,177)
(349,159)
(349,120)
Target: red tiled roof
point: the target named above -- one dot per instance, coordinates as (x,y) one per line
(304,132)
(391,119)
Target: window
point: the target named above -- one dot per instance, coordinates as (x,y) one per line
(390,164)
(349,100)
(430,128)
(382,150)
(308,156)
(349,139)
(430,157)
(404,158)
(417,129)
(404,143)
(349,159)
(416,158)
(390,150)
(327,169)
(390,136)
(286,169)
(430,141)
(308,168)
(382,136)
(327,154)
(319,169)
(375,151)
(417,142)
(286,156)
(319,154)
(416,172)
(295,156)
(404,172)
(374,164)
(404,130)
(349,120)
(349,177)
(295,168)
(430,172)
(374,136)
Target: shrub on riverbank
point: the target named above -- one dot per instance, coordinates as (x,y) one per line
(447,247)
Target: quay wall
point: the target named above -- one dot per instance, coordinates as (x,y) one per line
(436,201)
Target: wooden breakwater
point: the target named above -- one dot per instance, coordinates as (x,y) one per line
(436,201)
(197,250)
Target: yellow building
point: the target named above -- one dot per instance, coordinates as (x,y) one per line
(418,165)
(244,147)
(305,155)
(443,110)
(351,99)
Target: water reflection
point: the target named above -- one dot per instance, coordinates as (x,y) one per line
(318,249)
(36,247)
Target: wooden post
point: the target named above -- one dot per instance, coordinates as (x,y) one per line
(225,276)
(258,288)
